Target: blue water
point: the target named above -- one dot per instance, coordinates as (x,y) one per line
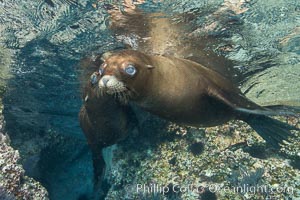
(48,38)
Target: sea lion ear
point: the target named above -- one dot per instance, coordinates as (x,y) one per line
(150,66)
(105,56)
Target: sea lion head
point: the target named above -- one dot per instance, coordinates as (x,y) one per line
(124,74)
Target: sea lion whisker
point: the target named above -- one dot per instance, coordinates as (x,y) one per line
(99,92)
(122,97)
(130,92)
(126,99)
(118,96)
(102,92)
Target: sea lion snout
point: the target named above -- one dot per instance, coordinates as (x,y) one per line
(111,84)
(105,80)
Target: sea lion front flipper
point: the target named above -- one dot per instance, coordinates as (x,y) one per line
(234,100)
(238,102)
(244,105)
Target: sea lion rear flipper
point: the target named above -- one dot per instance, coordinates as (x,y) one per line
(273,131)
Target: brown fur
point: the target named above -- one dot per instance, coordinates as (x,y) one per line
(104,121)
(177,89)
(188,93)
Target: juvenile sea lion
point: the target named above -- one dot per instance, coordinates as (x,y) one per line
(184,92)
(103,120)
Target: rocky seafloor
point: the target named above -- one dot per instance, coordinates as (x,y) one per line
(13,182)
(224,162)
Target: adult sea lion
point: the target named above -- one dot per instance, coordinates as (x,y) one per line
(103,120)
(184,92)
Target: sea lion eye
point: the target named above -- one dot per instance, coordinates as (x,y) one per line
(130,69)
(94,78)
(101,69)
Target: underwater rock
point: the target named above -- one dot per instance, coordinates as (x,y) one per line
(5,61)
(207,195)
(216,173)
(5,195)
(273,86)
(13,183)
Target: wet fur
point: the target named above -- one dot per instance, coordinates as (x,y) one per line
(104,121)
(188,93)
